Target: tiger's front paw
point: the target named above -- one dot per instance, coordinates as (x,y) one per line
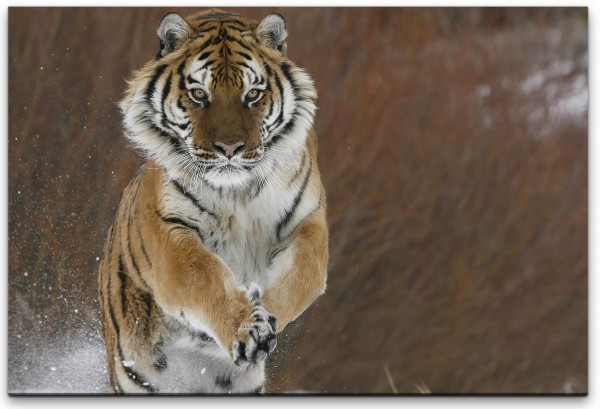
(256,337)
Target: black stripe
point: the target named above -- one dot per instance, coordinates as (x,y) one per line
(273,141)
(123,287)
(106,261)
(108,302)
(208,42)
(152,84)
(243,64)
(299,171)
(246,56)
(285,68)
(181,76)
(274,253)
(180,105)
(135,264)
(204,55)
(240,43)
(183,127)
(123,280)
(258,81)
(205,28)
(200,25)
(129,251)
(214,16)
(192,80)
(241,29)
(193,199)
(139,380)
(270,107)
(138,229)
(206,64)
(173,139)
(182,223)
(141,240)
(290,125)
(149,302)
(288,216)
(166,90)
(279,120)
(113,319)
(234,21)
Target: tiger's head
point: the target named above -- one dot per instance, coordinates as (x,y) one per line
(221,102)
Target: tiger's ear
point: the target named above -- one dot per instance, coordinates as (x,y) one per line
(273,30)
(172,31)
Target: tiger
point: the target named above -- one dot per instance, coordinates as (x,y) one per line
(220,240)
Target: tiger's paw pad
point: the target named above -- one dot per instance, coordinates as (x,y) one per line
(256,338)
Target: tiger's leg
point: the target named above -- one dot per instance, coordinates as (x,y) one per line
(132,324)
(193,285)
(300,270)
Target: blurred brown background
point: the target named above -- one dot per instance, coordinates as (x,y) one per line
(453,146)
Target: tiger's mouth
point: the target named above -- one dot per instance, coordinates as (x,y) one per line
(224,173)
(235,164)
(229,168)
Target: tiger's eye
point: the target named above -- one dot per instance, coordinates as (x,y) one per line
(199,94)
(253,95)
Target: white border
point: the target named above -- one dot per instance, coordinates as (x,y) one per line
(454,402)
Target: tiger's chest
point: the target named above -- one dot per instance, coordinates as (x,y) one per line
(243,237)
(242,233)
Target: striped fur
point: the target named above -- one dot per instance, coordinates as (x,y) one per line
(221,239)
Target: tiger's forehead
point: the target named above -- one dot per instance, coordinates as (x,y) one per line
(206,23)
(224,50)
(216,73)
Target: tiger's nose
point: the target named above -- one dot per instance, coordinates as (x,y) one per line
(229,149)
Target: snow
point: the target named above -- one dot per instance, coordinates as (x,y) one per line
(541,76)
(128,364)
(555,95)
(574,102)
(483,90)
(51,360)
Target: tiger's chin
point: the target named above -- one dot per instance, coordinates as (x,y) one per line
(228,177)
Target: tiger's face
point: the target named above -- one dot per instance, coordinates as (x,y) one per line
(228,107)
(221,103)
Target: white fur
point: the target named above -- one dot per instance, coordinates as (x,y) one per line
(245,234)
(273,26)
